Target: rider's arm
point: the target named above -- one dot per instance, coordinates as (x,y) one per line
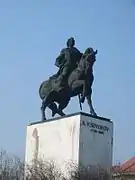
(68,59)
(59,59)
(78,51)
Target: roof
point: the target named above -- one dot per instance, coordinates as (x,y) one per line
(115,168)
(127,167)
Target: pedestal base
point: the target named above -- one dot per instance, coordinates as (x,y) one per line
(79,138)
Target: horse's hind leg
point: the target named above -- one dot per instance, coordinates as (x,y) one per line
(43,108)
(55,110)
(53,107)
(62,105)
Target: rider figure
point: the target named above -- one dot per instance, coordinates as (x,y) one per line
(63,61)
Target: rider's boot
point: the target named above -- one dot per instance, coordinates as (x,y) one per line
(82,99)
(62,80)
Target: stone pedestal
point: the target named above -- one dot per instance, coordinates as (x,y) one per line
(78,137)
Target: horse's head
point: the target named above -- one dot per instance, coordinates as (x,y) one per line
(90,55)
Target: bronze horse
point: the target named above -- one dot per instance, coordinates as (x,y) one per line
(79,82)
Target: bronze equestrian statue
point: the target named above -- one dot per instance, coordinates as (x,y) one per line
(75,77)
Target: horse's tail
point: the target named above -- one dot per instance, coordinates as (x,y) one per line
(39,91)
(44,89)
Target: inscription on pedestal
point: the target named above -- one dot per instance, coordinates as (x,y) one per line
(95,127)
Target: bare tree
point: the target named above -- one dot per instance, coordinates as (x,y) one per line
(43,171)
(88,173)
(12,168)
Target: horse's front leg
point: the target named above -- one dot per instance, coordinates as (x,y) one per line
(83,94)
(79,84)
(89,100)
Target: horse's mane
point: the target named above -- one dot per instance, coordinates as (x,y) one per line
(83,60)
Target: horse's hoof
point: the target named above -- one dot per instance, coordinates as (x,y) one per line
(82,99)
(44,119)
(93,114)
(53,114)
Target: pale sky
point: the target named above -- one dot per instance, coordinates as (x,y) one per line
(32,33)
